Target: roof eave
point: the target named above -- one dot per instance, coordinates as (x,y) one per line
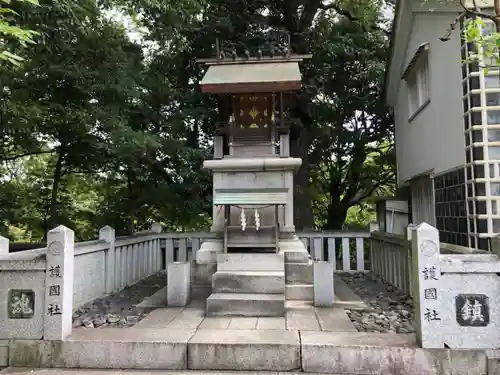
(250,87)
(391,50)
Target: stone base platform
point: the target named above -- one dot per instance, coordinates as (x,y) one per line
(247,350)
(308,339)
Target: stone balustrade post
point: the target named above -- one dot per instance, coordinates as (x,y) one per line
(156,228)
(426,273)
(4,246)
(107,234)
(59,279)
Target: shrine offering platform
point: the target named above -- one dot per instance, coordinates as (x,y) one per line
(308,339)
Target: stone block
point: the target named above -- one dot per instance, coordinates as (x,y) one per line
(244,350)
(241,304)
(208,251)
(299,292)
(334,320)
(59,281)
(249,282)
(108,348)
(493,364)
(294,251)
(323,284)
(359,353)
(299,273)
(4,353)
(203,272)
(178,284)
(24,320)
(250,262)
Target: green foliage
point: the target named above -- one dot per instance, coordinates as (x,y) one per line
(9,30)
(99,129)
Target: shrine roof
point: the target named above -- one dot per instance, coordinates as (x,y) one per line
(252,77)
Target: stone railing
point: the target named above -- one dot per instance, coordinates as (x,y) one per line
(390,258)
(348,250)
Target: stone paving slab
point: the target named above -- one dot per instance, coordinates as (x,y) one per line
(242,350)
(110,348)
(299,316)
(159,318)
(302,318)
(346,353)
(361,353)
(334,320)
(36,371)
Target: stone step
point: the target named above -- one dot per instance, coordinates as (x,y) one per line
(271,282)
(244,350)
(250,262)
(299,292)
(243,304)
(299,273)
(207,350)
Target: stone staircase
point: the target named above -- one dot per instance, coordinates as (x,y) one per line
(248,284)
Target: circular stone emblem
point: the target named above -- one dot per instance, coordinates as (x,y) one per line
(428,248)
(55,248)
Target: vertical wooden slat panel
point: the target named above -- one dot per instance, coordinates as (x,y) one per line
(182,249)
(397,267)
(390,264)
(135,264)
(169,251)
(346,256)
(144,263)
(130,264)
(360,254)
(123,266)
(149,259)
(383,250)
(332,257)
(158,265)
(157,257)
(195,246)
(118,263)
(152,261)
(317,248)
(152,258)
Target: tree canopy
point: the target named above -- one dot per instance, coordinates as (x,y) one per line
(104,122)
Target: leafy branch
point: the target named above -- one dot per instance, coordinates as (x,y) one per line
(9,30)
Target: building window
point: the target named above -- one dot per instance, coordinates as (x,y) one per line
(418,84)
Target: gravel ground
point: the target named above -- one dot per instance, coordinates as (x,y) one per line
(389,309)
(119,310)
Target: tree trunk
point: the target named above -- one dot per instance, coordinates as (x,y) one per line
(337,213)
(303,214)
(132,205)
(56,182)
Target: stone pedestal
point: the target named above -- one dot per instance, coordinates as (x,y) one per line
(209,250)
(59,279)
(294,250)
(323,284)
(178,284)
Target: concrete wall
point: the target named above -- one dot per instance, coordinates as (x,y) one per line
(90,271)
(434,138)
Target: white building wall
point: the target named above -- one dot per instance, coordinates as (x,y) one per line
(433,139)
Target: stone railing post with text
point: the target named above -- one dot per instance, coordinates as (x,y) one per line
(427,274)
(107,234)
(4,246)
(59,283)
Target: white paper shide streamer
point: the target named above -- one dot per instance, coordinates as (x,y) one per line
(257,219)
(243,219)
